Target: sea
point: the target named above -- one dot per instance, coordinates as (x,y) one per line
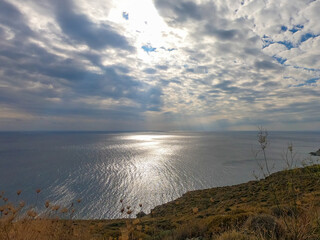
(148,168)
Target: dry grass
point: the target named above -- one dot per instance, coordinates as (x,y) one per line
(18,221)
(41,229)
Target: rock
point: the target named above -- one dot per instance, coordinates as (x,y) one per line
(140,214)
(317,153)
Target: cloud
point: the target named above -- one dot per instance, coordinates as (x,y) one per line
(13,24)
(222,34)
(81,29)
(201,65)
(266,65)
(241,61)
(162,67)
(40,78)
(179,11)
(150,70)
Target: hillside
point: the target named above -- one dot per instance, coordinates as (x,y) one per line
(284,198)
(284,205)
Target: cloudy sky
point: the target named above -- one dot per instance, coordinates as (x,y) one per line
(159,65)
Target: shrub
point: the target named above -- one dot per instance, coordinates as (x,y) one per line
(283,211)
(265,225)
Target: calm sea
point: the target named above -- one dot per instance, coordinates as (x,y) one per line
(148,168)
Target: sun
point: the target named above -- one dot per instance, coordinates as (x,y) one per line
(144,25)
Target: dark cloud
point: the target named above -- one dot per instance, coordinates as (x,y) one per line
(162,67)
(12,17)
(248,99)
(77,84)
(9,13)
(271,84)
(150,70)
(190,70)
(302,109)
(43,84)
(122,68)
(152,99)
(180,12)
(202,97)
(227,86)
(187,10)
(197,70)
(82,30)
(250,84)
(170,81)
(25,64)
(252,51)
(38,104)
(33,59)
(266,65)
(202,69)
(222,34)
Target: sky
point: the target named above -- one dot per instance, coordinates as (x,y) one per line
(165,65)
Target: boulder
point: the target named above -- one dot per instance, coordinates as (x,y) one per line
(317,153)
(140,214)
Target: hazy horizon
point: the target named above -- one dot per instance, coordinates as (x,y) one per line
(155,131)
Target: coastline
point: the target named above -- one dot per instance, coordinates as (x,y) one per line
(215,212)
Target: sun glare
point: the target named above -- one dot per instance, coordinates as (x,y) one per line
(143,24)
(147,137)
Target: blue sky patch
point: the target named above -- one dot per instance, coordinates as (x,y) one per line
(148,48)
(288,44)
(266,41)
(312,80)
(280,59)
(308,82)
(125,15)
(306,36)
(308,69)
(296,28)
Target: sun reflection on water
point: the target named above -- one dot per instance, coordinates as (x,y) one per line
(152,165)
(147,137)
